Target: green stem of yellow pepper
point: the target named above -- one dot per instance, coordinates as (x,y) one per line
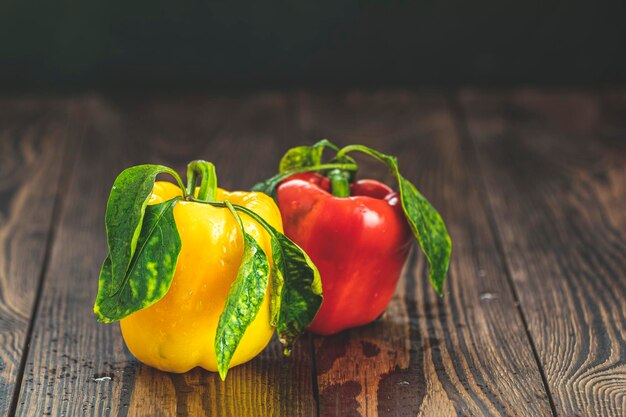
(232,210)
(236,207)
(208,184)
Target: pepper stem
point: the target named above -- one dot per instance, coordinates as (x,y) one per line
(208,184)
(235,214)
(339,182)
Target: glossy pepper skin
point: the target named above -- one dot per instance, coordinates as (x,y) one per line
(359,244)
(177,333)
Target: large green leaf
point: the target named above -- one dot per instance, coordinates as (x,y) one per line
(124,216)
(304,156)
(296,288)
(151,269)
(278,281)
(297,293)
(426,223)
(430,230)
(243,303)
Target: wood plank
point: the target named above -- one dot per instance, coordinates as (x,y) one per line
(555,169)
(72,357)
(465,354)
(32,145)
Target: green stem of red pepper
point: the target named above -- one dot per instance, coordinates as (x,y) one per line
(359,148)
(268,186)
(339,182)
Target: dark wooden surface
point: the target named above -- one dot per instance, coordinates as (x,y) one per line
(532,186)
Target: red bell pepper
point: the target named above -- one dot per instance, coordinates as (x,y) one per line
(359,244)
(357,233)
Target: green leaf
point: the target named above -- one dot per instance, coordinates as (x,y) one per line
(124,216)
(269,185)
(278,280)
(430,230)
(151,269)
(304,156)
(297,293)
(295,160)
(426,223)
(243,302)
(296,289)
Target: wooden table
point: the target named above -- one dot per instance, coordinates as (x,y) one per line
(532,185)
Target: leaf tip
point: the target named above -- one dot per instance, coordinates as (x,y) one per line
(99,316)
(222,371)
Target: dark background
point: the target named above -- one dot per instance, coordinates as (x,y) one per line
(242,44)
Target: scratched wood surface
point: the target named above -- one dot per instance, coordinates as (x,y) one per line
(532,187)
(32,145)
(555,168)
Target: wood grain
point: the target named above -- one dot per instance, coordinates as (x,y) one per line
(32,143)
(532,187)
(79,367)
(555,169)
(465,354)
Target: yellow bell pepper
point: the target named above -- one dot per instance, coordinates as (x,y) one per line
(199,276)
(177,333)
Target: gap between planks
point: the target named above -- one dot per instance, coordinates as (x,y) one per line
(460,121)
